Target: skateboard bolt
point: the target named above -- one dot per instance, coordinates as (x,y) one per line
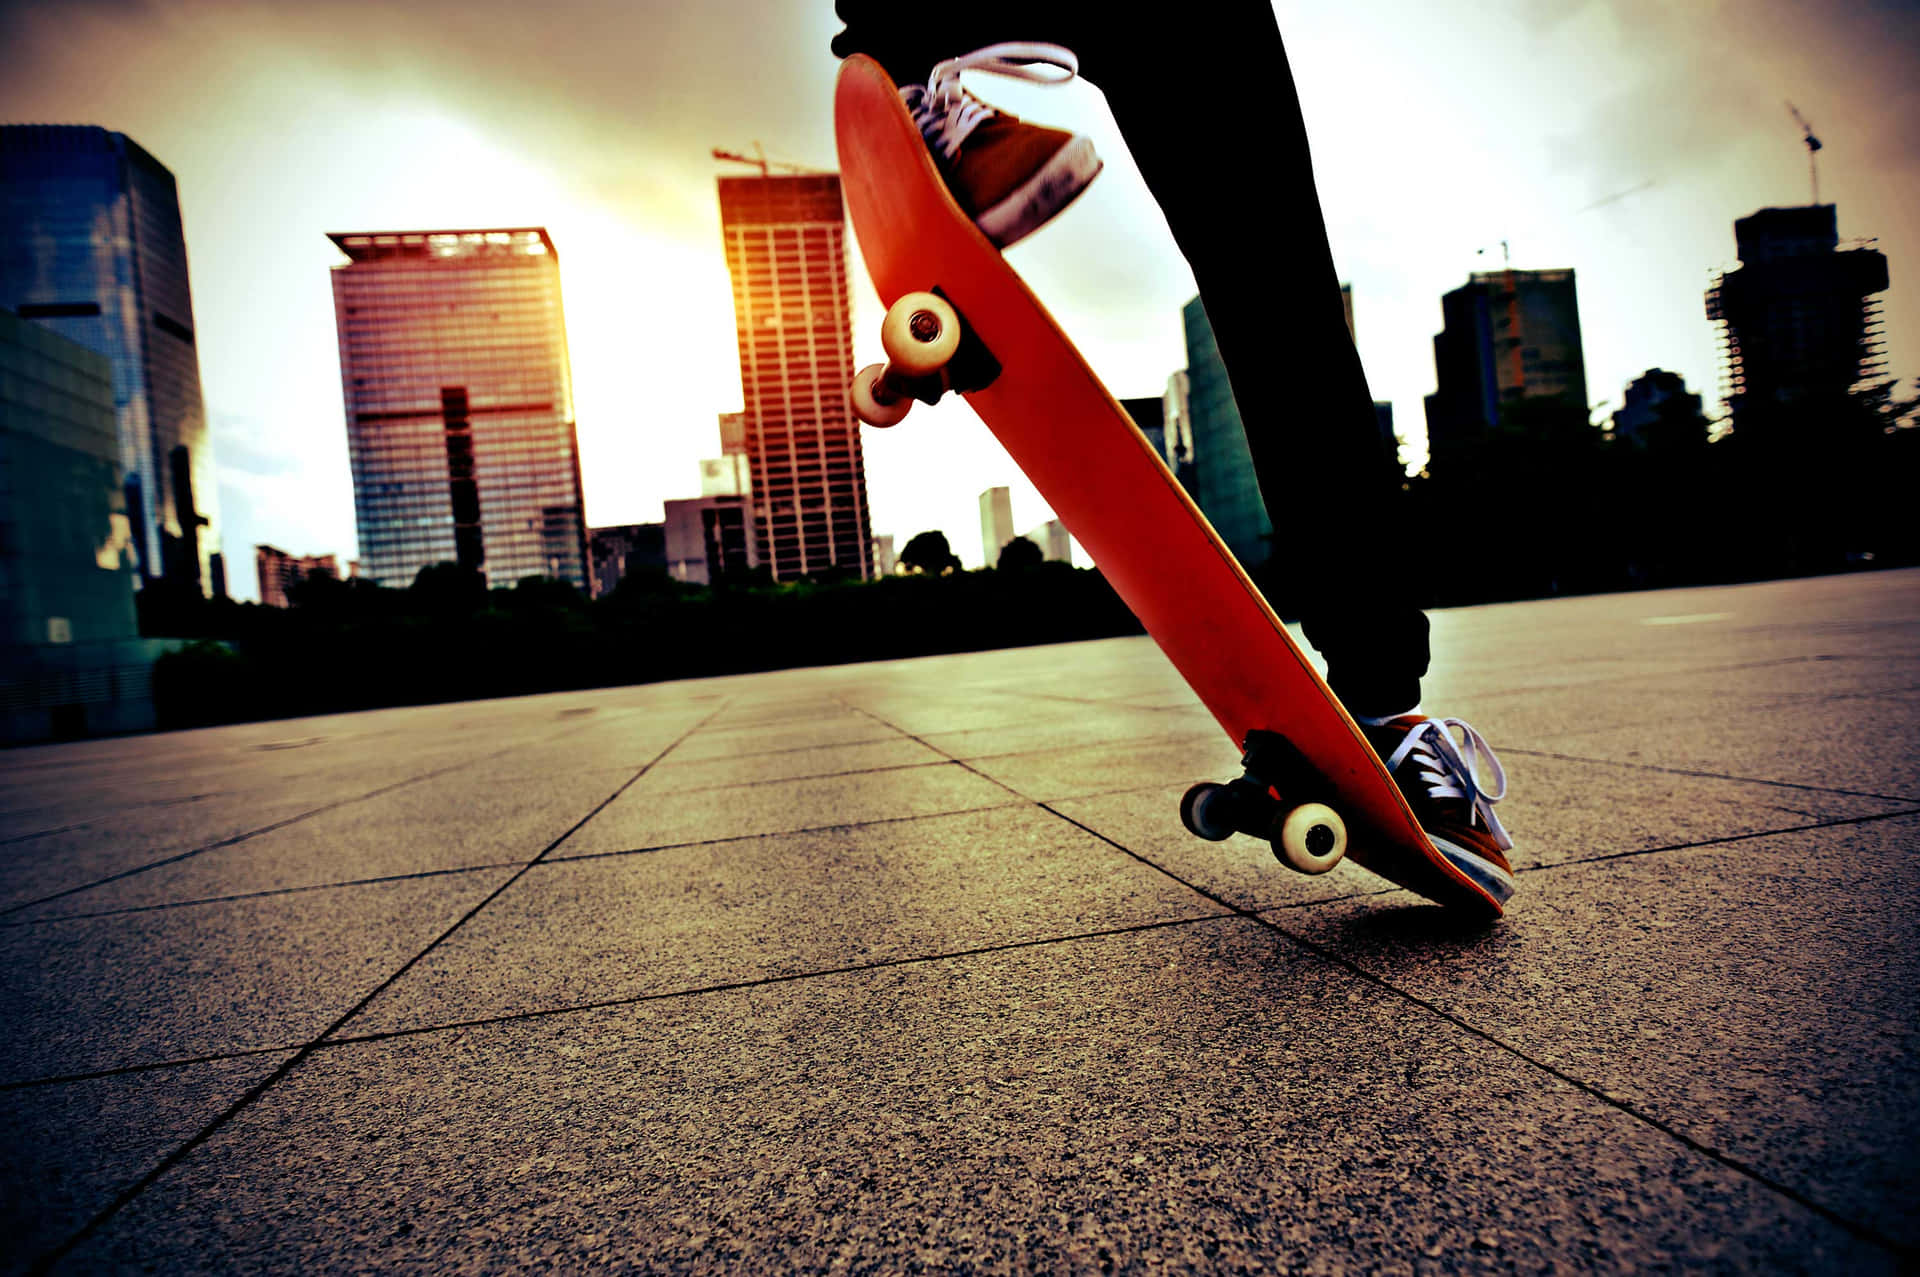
(1320,840)
(925,326)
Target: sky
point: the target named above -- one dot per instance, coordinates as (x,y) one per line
(1617,137)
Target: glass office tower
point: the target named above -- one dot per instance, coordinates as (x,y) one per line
(459,399)
(92,248)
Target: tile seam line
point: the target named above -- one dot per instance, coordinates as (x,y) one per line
(264,894)
(277,825)
(762,982)
(1838,822)
(46,1260)
(148,1066)
(1706,775)
(1549,688)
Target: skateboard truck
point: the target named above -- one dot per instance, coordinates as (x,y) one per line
(929,352)
(1307,836)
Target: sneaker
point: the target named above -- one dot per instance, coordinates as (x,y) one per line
(1438,773)
(1009,176)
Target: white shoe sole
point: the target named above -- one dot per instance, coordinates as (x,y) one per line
(1056,184)
(1486,875)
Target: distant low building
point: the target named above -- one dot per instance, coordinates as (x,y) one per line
(280,572)
(1055,545)
(885,562)
(1654,397)
(708,537)
(624,548)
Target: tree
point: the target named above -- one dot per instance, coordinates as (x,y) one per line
(930,553)
(1019,553)
(448,589)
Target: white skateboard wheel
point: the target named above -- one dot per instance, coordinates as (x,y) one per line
(920,334)
(1311,838)
(866,392)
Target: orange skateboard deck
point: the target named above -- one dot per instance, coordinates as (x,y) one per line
(1115,494)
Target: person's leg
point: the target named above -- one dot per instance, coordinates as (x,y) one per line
(1208,109)
(1228,161)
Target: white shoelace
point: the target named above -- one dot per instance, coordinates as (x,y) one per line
(1449,768)
(947,114)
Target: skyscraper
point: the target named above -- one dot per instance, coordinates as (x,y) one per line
(92,248)
(1508,335)
(996,523)
(1798,319)
(1224,485)
(459,398)
(786,250)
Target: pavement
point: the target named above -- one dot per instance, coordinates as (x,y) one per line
(910,967)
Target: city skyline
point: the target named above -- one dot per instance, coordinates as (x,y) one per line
(1617,139)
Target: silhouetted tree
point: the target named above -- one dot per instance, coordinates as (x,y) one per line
(930,553)
(1019,553)
(447,589)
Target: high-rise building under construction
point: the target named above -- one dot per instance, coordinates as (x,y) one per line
(1508,336)
(786,246)
(1799,321)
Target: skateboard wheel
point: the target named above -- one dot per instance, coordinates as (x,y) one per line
(867,404)
(921,334)
(1200,813)
(1311,838)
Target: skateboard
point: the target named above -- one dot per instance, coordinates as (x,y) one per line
(960,319)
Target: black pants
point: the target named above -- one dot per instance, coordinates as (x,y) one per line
(1205,99)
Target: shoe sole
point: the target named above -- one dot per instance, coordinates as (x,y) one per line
(1489,877)
(1057,183)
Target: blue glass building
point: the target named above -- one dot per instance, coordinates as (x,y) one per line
(1224,485)
(92,248)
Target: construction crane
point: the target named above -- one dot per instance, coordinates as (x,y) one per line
(760,161)
(1813,144)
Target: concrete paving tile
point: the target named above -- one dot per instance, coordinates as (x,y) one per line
(1055,774)
(1860,744)
(574,932)
(946,714)
(1759,998)
(35,868)
(455,821)
(1204,1097)
(1526,716)
(830,727)
(72,1147)
(1076,730)
(673,774)
(657,818)
(84,995)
